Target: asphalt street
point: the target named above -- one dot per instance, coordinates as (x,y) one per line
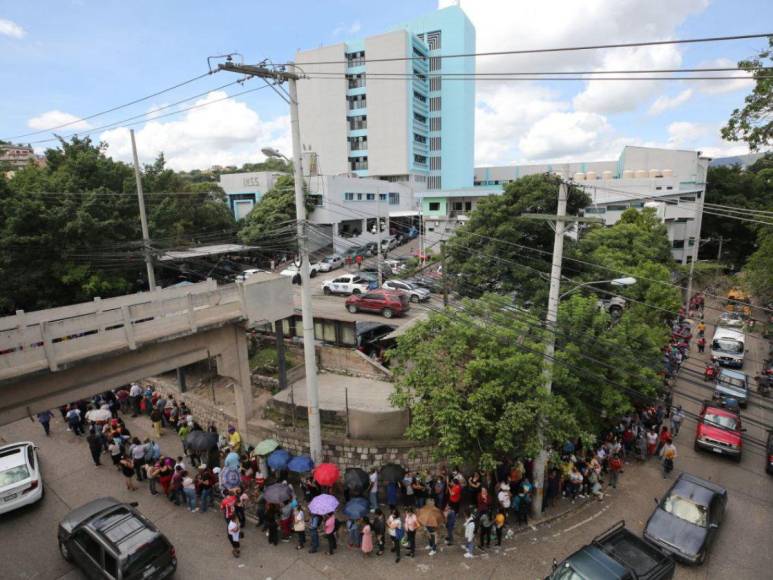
(28,544)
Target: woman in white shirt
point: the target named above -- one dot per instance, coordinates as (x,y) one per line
(234,531)
(395,527)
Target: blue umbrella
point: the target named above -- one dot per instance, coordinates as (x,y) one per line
(279,459)
(356,508)
(301,464)
(232,460)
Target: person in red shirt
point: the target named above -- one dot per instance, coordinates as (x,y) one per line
(228,505)
(484,501)
(455,495)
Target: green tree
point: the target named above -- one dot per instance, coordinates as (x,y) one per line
(473,389)
(758,271)
(754,122)
(484,254)
(275,210)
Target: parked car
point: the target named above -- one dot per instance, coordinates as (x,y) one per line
(731,319)
(388,244)
(294,271)
(415,292)
(20,477)
(331,262)
(431,283)
(242,276)
(732,385)
(617,554)
(346,284)
(372,248)
(687,519)
(107,538)
(728,347)
(369,277)
(385,271)
(719,430)
(368,335)
(388,303)
(355,251)
(769,450)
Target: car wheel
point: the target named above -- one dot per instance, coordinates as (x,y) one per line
(326,291)
(696,446)
(297,279)
(312,273)
(352,308)
(64,550)
(387,313)
(737,458)
(356,291)
(414,298)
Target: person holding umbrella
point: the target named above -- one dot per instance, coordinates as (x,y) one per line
(373,490)
(432,518)
(314,532)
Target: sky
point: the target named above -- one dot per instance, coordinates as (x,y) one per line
(61,61)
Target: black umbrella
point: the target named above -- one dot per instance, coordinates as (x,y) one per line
(356,480)
(392,472)
(278,493)
(201,441)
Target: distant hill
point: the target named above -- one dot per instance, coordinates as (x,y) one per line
(742,160)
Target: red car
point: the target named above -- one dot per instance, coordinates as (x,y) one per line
(388,303)
(719,430)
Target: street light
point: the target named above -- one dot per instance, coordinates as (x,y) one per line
(627,281)
(271,152)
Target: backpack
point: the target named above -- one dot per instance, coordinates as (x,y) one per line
(399,533)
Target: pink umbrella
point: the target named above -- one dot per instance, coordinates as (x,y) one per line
(323,504)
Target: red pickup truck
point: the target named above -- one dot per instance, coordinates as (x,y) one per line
(719,430)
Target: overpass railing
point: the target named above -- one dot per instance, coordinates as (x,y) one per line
(50,339)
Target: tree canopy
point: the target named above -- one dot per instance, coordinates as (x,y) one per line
(753,122)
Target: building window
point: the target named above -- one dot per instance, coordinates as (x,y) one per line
(434,83)
(435,124)
(434,104)
(370,196)
(382,196)
(419,75)
(434,182)
(691,242)
(433,40)
(419,138)
(420,159)
(434,206)
(419,97)
(434,144)
(358,143)
(434,163)
(677,244)
(357,163)
(394,198)
(687,198)
(669,187)
(588,210)
(420,118)
(418,53)
(621,207)
(348,197)
(467,206)
(458,206)
(358,122)
(356,102)
(355,58)
(356,81)
(434,63)
(658,187)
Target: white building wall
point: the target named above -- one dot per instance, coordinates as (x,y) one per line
(322,108)
(387,104)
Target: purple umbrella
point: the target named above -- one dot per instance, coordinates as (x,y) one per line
(323,504)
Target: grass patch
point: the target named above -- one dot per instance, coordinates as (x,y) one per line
(266,361)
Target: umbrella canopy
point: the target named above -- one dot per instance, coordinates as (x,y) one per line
(266,446)
(326,474)
(301,464)
(201,441)
(356,480)
(431,516)
(392,472)
(232,460)
(356,508)
(279,459)
(277,493)
(323,504)
(100,415)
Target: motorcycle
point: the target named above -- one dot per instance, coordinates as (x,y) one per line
(710,373)
(763,384)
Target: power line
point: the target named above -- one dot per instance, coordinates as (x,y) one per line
(549,73)
(745,209)
(130,103)
(548,50)
(408,77)
(735,217)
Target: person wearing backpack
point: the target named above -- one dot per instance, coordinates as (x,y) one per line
(396,532)
(330,533)
(469,534)
(615,467)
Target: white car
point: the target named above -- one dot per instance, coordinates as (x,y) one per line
(294,271)
(415,293)
(247,273)
(331,263)
(348,284)
(20,480)
(388,244)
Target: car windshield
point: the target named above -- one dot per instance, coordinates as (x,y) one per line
(728,345)
(686,510)
(14,475)
(721,421)
(144,557)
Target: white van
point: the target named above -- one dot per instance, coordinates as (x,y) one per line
(727,347)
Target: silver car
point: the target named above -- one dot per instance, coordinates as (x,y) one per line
(416,293)
(331,263)
(731,319)
(20,480)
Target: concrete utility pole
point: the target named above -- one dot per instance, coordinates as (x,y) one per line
(695,248)
(719,251)
(143,217)
(309,352)
(378,232)
(554,296)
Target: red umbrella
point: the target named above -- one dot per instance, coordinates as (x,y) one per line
(326,474)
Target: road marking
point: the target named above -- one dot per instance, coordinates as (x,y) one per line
(586,520)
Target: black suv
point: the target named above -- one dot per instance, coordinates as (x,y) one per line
(109,539)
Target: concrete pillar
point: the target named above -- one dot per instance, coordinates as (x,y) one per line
(280,353)
(235,364)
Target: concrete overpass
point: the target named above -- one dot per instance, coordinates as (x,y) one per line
(52,357)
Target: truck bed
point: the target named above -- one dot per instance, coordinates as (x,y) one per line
(646,561)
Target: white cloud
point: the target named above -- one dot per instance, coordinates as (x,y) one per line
(347,29)
(222,133)
(665,103)
(563,134)
(10,28)
(51,119)
(684,133)
(719,87)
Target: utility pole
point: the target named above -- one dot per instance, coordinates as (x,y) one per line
(719,251)
(443,265)
(309,352)
(698,223)
(143,217)
(378,232)
(551,319)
